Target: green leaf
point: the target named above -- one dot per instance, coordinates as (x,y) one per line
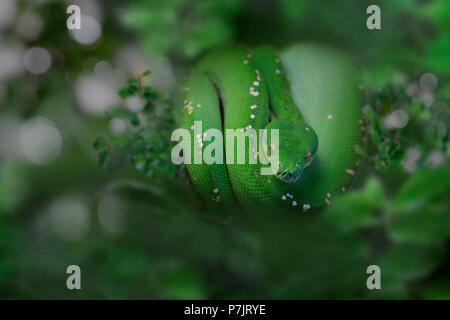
(146,73)
(126,263)
(373,193)
(102,155)
(416,109)
(396,158)
(381,165)
(133,117)
(427,224)
(119,141)
(138,147)
(368,113)
(150,94)
(424,185)
(356,209)
(99,143)
(404,262)
(125,93)
(133,88)
(360,150)
(132,81)
(376,138)
(183,283)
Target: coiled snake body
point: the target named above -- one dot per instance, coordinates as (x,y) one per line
(312,94)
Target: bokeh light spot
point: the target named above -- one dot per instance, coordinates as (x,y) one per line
(428,81)
(37,60)
(396,119)
(40,141)
(89,33)
(69,219)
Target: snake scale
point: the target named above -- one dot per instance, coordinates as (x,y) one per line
(312,94)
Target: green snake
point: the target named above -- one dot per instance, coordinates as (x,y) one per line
(312,94)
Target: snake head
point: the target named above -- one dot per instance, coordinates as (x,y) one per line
(297,148)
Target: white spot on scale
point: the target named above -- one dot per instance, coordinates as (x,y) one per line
(283,197)
(256,83)
(294,203)
(277,71)
(252,116)
(350,172)
(330,117)
(306,207)
(216,190)
(258,77)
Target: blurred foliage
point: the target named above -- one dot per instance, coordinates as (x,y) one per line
(181,26)
(144,234)
(425,128)
(146,141)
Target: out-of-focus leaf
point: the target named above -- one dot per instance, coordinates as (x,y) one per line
(183,284)
(425,184)
(360,150)
(416,109)
(99,143)
(356,209)
(150,94)
(102,155)
(437,54)
(368,113)
(126,263)
(425,225)
(438,12)
(438,290)
(132,81)
(404,262)
(125,93)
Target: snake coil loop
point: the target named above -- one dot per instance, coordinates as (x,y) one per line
(311,94)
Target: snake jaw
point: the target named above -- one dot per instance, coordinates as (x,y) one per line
(289,176)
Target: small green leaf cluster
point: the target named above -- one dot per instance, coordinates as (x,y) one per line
(421,128)
(146,137)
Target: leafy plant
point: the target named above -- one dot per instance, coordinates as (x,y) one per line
(145,139)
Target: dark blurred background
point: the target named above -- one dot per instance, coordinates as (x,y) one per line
(86,179)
